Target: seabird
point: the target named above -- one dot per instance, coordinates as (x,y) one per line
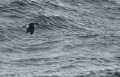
(30,28)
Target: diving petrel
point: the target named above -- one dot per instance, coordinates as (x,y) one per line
(30,28)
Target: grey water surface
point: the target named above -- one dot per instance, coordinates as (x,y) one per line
(74,38)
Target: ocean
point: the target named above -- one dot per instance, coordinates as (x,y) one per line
(74,38)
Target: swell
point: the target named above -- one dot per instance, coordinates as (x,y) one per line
(23,12)
(34,12)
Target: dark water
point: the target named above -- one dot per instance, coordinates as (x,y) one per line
(74,38)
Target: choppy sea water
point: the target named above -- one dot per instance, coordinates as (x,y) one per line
(74,38)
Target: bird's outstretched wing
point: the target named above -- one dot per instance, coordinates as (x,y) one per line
(26,26)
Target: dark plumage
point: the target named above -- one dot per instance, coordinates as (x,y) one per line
(30,28)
